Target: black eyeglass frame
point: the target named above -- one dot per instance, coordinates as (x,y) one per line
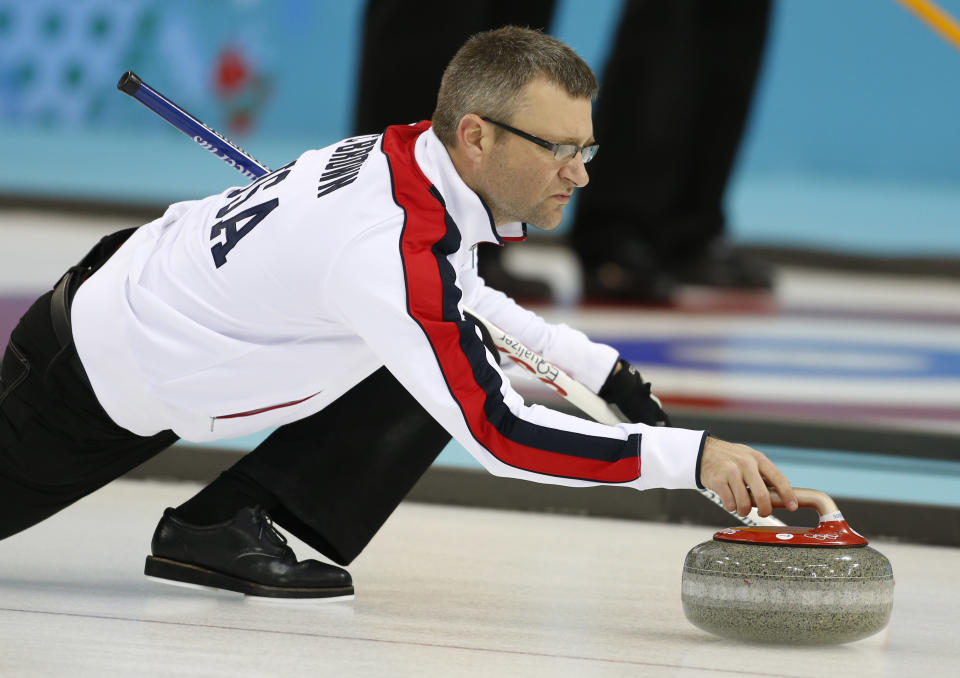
(587,152)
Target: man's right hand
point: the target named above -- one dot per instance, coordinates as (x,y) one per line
(740,475)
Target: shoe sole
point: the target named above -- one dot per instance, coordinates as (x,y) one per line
(194,576)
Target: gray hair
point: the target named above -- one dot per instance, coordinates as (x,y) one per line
(490,70)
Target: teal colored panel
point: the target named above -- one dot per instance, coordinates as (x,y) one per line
(851,145)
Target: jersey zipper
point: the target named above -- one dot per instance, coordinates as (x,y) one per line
(261,410)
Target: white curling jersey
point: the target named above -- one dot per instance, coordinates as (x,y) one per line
(261,305)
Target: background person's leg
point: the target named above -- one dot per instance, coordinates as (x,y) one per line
(674,99)
(407,45)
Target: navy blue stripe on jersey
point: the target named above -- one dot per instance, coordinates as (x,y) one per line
(429,236)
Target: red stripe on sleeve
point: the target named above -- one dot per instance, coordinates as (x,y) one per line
(426,225)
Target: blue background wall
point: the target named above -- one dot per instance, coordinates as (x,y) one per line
(853,144)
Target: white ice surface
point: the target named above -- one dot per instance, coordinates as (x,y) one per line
(440,592)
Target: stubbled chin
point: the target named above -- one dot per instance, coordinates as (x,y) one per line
(545,225)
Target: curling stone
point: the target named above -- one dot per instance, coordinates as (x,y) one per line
(789,585)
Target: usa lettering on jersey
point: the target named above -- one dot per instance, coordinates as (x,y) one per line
(227,233)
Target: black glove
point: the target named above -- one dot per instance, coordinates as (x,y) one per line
(626,389)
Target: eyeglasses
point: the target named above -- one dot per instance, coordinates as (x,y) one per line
(560,151)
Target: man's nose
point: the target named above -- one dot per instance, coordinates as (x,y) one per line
(575,171)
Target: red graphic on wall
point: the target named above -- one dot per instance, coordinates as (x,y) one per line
(241,89)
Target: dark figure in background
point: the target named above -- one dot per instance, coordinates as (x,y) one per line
(674,99)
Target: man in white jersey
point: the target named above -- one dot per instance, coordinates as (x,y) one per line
(326,300)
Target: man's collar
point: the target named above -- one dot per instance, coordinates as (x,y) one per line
(467,209)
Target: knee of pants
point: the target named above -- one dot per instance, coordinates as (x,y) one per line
(22,506)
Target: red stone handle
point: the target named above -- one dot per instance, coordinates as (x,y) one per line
(832,530)
(815,499)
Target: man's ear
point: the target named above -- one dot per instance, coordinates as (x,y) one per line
(473,137)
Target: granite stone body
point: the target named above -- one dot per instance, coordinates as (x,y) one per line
(787,594)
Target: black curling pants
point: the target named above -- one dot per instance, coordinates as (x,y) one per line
(406,47)
(57,444)
(338,474)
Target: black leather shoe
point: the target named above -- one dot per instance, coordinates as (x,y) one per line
(245,554)
(629,274)
(721,267)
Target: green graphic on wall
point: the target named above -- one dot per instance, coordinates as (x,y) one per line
(59,60)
